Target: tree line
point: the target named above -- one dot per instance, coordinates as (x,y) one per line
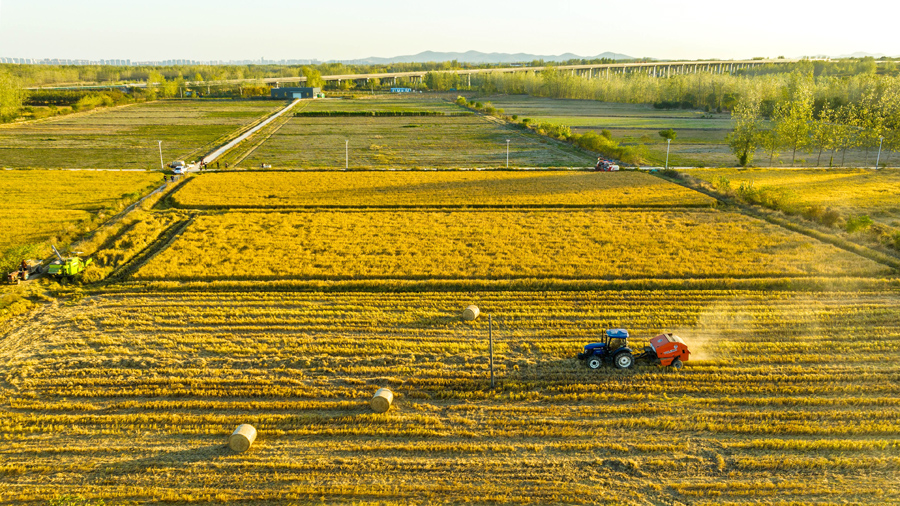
(863,113)
(826,107)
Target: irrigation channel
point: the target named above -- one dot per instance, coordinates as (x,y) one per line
(223,149)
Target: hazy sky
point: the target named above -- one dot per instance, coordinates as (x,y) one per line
(348,29)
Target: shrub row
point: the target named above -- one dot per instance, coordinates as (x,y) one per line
(592,141)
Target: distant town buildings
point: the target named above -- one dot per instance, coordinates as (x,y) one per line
(160,63)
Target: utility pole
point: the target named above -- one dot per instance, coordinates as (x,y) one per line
(668,143)
(507,153)
(878,159)
(347,153)
(162,164)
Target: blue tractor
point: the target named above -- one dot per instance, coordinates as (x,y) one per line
(613,349)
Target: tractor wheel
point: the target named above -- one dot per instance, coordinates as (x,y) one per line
(677,364)
(594,362)
(624,360)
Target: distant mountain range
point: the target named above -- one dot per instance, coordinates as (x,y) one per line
(478,57)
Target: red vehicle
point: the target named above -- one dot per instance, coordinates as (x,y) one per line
(666,350)
(27,269)
(605,165)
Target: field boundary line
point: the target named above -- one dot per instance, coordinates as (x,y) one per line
(796,284)
(838,242)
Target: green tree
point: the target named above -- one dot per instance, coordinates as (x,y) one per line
(668,134)
(768,140)
(12,95)
(744,139)
(825,134)
(374,83)
(793,116)
(313,77)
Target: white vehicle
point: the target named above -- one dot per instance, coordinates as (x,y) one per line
(178,166)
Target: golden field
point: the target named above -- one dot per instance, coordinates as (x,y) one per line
(37,205)
(436,189)
(129,398)
(856,191)
(594,244)
(286,299)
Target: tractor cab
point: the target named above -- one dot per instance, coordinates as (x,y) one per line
(613,348)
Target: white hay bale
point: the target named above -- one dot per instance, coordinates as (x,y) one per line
(382,400)
(471,312)
(242,437)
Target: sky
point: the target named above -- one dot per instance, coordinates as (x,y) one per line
(351,29)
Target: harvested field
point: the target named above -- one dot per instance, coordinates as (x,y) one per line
(131,398)
(408,142)
(435,189)
(126,137)
(254,298)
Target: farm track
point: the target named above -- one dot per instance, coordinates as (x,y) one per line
(212,145)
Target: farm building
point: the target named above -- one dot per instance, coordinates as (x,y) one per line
(295,92)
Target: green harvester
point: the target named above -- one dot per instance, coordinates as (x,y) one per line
(66,268)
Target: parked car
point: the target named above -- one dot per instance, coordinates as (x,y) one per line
(178,166)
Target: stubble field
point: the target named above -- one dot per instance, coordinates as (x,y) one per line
(457,140)
(129,398)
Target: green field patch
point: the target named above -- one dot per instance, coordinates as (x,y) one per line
(125,137)
(467,141)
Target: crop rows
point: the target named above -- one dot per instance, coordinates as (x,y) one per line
(398,142)
(470,189)
(130,398)
(459,245)
(126,137)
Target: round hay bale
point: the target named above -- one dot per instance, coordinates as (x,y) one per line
(471,312)
(382,400)
(242,437)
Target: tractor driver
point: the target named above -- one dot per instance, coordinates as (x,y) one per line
(24,266)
